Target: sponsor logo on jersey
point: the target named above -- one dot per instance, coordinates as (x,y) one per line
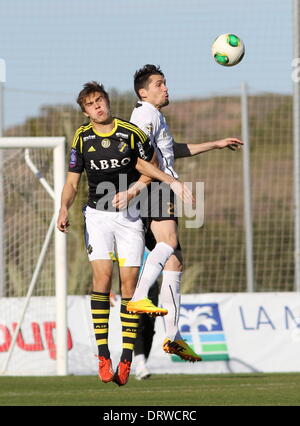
(105,143)
(91,149)
(122,135)
(86,138)
(141,151)
(73,158)
(112,163)
(148,129)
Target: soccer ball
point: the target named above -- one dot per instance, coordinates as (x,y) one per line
(228,50)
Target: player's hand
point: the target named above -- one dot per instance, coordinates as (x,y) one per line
(231,143)
(62,221)
(121,200)
(182,191)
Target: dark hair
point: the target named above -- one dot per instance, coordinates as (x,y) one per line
(88,89)
(142,75)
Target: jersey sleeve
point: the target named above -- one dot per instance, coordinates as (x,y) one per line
(147,121)
(181,150)
(141,145)
(76,162)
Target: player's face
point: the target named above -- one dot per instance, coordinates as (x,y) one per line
(156,91)
(96,107)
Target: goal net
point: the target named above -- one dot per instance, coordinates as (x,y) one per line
(32,256)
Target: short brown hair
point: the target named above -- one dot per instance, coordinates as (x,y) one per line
(88,89)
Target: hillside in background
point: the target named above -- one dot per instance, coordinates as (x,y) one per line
(215,253)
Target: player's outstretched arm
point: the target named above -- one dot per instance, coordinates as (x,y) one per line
(180,189)
(67,198)
(182,150)
(122,199)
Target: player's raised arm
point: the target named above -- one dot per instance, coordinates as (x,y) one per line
(122,199)
(182,150)
(148,169)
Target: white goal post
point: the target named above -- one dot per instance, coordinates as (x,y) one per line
(57,144)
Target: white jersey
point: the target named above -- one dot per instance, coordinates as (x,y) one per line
(153,123)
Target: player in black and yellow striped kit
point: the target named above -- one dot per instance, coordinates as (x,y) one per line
(114,153)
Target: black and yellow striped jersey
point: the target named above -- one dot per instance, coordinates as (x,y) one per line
(109,159)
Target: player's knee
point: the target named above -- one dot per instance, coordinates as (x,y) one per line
(179,257)
(172,241)
(180,267)
(175,262)
(102,282)
(177,266)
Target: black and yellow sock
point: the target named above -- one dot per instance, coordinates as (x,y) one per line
(130,324)
(100,307)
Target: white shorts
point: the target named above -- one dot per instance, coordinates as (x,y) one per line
(112,235)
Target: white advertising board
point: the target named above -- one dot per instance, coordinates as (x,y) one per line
(233,332)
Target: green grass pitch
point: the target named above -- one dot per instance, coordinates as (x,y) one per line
(158,390)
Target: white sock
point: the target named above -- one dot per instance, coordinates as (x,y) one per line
(140,360)
(153,266)
(170,299)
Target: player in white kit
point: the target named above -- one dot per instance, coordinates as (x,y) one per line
(150,87)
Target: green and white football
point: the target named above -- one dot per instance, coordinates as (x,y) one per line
(228,50)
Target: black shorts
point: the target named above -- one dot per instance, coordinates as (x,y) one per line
(160,205)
